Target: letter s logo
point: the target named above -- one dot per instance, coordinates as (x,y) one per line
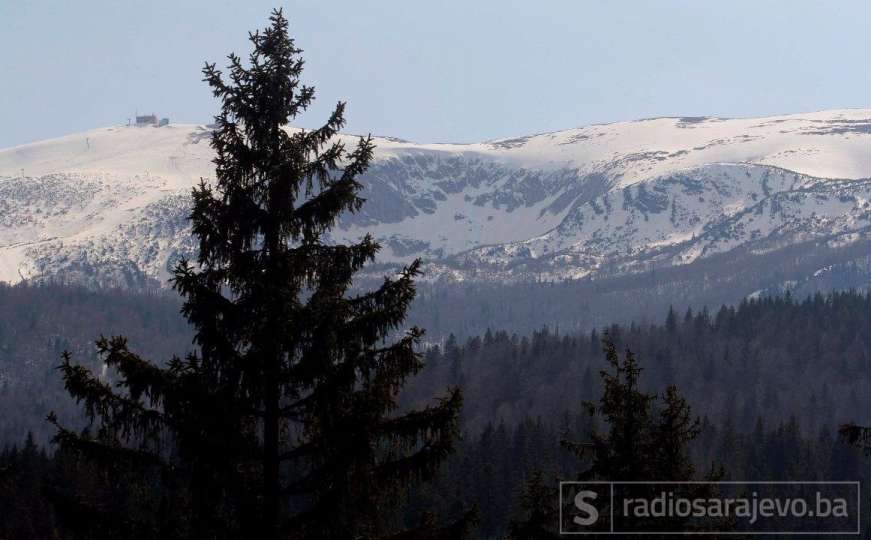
(590,510)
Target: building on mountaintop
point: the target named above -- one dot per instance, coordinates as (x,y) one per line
(150,120)
(146,120)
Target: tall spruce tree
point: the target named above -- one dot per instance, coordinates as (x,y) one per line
(284,421)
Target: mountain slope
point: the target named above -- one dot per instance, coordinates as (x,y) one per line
(110,204)
(678,218)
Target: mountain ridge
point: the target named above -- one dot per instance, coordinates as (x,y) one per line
(565,204)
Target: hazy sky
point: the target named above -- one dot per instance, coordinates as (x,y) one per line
(462,70)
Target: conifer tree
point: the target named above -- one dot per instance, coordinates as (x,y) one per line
(624,451)
(671,321)
(647,439)
(674,430)
(647,436)
(540,515)
(284,421)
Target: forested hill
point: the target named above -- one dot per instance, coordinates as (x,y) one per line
(772,378)
(772,358)
(37,323)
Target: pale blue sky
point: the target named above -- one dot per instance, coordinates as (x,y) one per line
(438,70)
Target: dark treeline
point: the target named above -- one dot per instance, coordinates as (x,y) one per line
(523,394)
(491,470)
(469,309)
(771,358)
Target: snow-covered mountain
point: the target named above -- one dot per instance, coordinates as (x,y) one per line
(111,203)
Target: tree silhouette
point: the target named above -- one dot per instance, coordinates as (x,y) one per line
(285,419)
